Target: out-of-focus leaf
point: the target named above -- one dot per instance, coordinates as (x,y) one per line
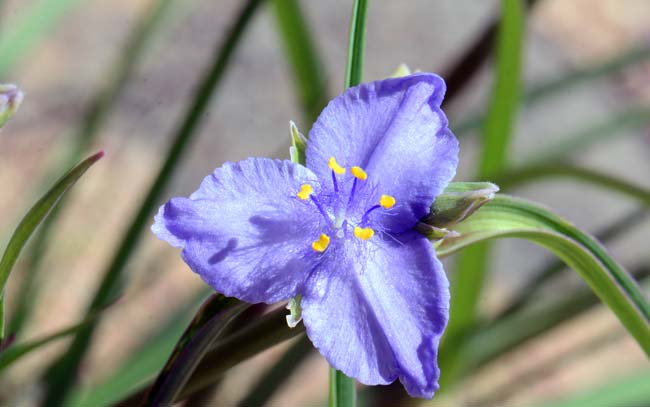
(509,217)
(17,351)
(607,130)
(471,266)
(206,327)
(549,88)
(610,232)
(60,376)
(29,29)
(143,364)
(356,44)
(504,334)
(278,374)
(632,391)
(527,174)
(246,342)
(302,53)
(94,118)
(36,215)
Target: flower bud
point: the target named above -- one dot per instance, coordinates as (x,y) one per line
(458,201)
(10,99)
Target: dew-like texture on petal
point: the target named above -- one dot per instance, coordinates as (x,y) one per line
(244,231)
(395,130)
(380,318)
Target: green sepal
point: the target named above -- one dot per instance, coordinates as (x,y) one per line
(401,71)
(458,201)
(295,311)
(434,233)
(298,145)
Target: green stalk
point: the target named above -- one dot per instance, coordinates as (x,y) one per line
(342,392)
(61,375)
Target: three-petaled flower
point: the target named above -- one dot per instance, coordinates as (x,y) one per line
(338,232)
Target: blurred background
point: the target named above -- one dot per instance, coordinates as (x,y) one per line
(72,49)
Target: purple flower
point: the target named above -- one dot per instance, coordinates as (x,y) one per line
(338,232)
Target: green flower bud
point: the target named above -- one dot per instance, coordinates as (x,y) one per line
(10,99)
(457,203)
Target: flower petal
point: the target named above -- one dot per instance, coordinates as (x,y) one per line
(244,231)
(393,129)
(382,319)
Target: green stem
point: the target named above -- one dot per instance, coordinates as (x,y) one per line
(342,391)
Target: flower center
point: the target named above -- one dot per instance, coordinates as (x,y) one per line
(336,210)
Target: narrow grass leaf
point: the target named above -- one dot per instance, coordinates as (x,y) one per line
(262,391)
(632,391)
(552,87)
(145,361)
(17,351)
(528,174)
(206,327)
(36,214)
(524,296)
(356,44)
(255,337)
(509,217)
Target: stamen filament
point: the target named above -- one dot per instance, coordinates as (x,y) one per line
(364,218)
(336,185)
(320,209)
(354,187)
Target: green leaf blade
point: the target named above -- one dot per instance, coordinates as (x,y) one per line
(509,217)
(37,213)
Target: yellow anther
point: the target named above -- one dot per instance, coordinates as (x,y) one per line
(321,244)
(359,173)
(363,233)
(335,166)
(305,191)
(387,201)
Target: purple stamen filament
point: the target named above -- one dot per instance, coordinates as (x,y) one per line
(320,209)
(364,218)
(336,185)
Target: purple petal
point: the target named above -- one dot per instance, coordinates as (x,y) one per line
(244,231)
(380,319)
(395,130)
